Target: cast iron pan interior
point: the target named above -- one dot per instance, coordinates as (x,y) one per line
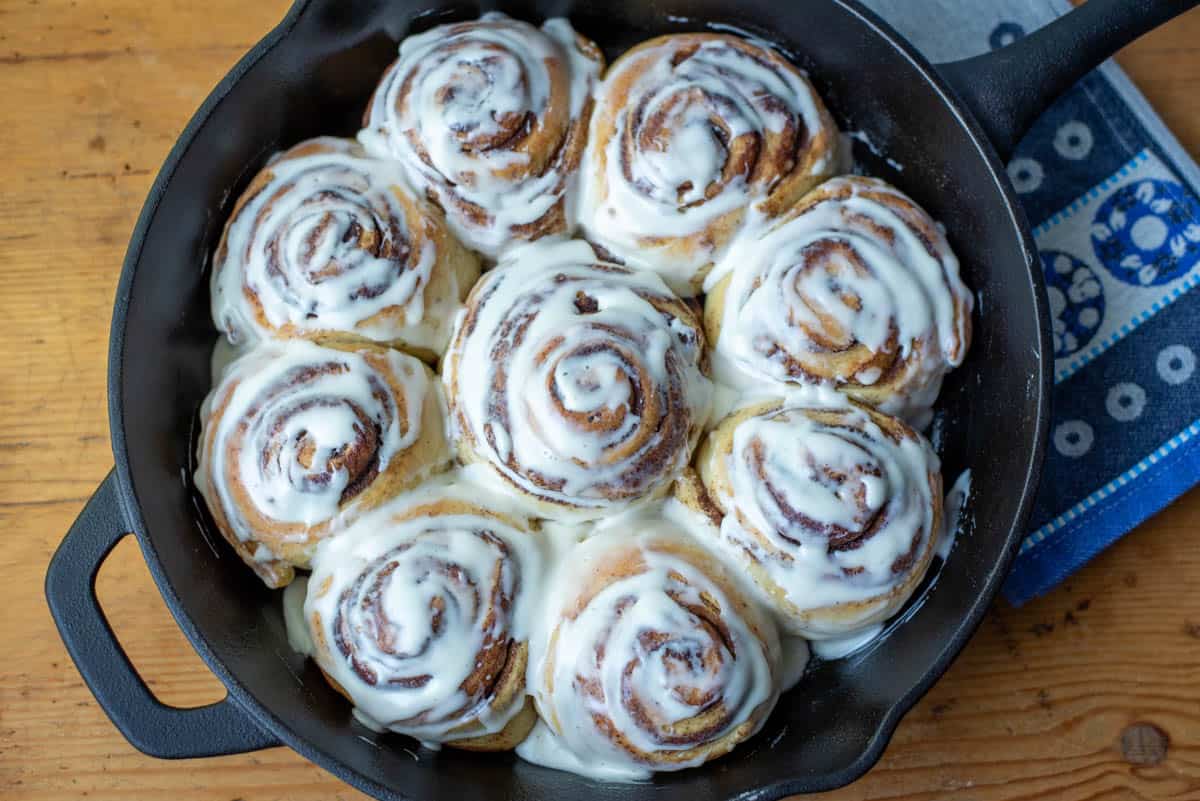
(314,77)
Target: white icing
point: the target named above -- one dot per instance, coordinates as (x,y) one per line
(298,637)
(674,181)
(787,299)
(416,601)
(691,521)
(726,397)
(956,504)
(443,106)
(297,247)
(840,647)
(882,489)
(796,653)
(549,367)
(365,720)
(544,253)
(624,615)
(544,747)
(224,354)
(288,423)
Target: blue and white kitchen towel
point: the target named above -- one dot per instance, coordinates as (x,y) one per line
(1113,201)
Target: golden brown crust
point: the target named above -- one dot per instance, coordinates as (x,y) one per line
(508,692)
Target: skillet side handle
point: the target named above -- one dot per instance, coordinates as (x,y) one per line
(149,725)
(1008,88)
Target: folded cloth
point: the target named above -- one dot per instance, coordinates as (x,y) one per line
(1113,200)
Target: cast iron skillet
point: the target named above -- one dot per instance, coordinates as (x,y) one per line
(948,126)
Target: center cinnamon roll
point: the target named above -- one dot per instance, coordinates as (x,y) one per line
(581,384)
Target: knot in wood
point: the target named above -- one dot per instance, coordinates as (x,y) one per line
(1144,744)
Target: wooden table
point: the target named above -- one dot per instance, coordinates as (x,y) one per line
(1090,693)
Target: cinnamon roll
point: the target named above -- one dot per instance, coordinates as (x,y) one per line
(834,509)
(417,615)
(855,287)
(648,658)
(325,241)
(488,119)
(580,384)
(689,131)
(297,439)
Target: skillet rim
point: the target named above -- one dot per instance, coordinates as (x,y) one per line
(874,747)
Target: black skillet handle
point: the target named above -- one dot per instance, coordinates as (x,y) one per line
(1008,88)
(149,725)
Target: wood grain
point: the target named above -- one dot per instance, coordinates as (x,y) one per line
(1090,693)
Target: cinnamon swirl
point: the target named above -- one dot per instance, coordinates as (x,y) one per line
(580,384)
(648,658)
(297,438)
(855,287)
(417,615)
(488,120)
(325,241)
(833,509)
(689,132)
